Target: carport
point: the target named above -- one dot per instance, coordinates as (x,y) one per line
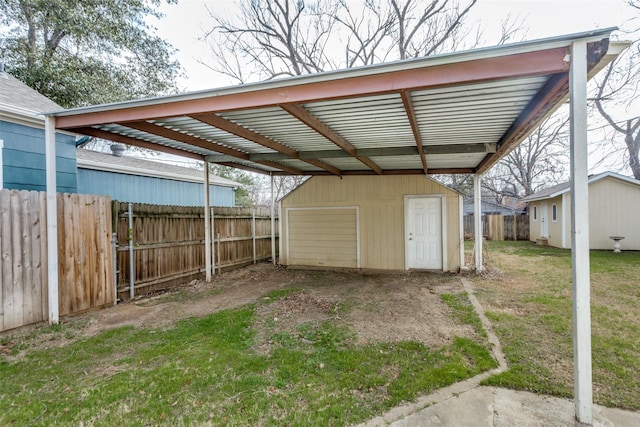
(445,114)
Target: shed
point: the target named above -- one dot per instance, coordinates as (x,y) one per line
(614,203)
(22,140)
(391,222)
(130,179)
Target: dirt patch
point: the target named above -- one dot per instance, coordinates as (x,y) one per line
(379,307)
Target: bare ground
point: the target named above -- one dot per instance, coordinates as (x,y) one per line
(379,307)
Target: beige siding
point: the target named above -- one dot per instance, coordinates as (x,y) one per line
(323,237)
(614,210)
(555,227)
(380,203)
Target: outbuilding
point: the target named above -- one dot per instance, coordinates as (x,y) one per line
(389,222)
(614,203)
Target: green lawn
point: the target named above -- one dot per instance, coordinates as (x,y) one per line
(204,371)
(528,300)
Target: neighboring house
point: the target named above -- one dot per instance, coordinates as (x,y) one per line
(372,222)
(488,208)
(614,209)
(129,179)
(22,146)
(22,160)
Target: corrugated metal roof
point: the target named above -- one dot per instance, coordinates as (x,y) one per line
(455,113)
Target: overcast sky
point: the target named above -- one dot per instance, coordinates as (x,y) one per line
(186,22)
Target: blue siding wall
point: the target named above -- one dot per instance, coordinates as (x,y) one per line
(23,159)
(156,191)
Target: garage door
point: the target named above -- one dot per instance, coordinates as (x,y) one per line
(323,237)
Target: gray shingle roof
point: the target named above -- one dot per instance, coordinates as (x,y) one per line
(16,94)
(564,187)
(134,166)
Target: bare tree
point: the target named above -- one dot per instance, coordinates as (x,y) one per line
(276,38)
(536,163)
(616,91)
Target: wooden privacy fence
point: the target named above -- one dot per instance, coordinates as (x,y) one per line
(499,227)
(85,263)
(168,243)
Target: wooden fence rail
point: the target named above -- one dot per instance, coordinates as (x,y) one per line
(85,263)
(499,227)
(168,243)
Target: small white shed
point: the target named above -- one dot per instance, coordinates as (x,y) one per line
(614,204)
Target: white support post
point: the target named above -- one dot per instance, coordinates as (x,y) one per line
(580,235)
(477,218)
(207,225)
(273,225)
(52,220)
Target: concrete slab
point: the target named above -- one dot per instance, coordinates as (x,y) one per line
(497,407)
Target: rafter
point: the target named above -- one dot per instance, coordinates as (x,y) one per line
(183,137)
(238,130)
(302,114)
(411,115)
(110,136)
(538,108)
(375,152)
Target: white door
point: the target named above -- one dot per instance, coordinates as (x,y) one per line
(544,220)
(424,232)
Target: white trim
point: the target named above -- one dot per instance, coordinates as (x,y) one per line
(52,220)
(477,219)
(24,117)
(280,221)
(130,170)
(443,223)
(207,224)
(593,178)
(581,294)
(563,226)
(311,208)
(461,213)
(443,232)
(1,165)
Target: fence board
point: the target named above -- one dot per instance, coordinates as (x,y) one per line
(86,262)
(84,259)
(499,227)
(21,293)
(169,242)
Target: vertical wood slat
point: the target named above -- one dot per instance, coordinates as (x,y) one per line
(170,241)
(5,261)
(85,266)
(21,259)
(500,227)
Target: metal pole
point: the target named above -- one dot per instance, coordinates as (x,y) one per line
(52,219)
(132,291)
(477,217)
(253,233)
(219,264)
(273,224)
(114,244)
(582,369)
(213,242)
(207,230)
